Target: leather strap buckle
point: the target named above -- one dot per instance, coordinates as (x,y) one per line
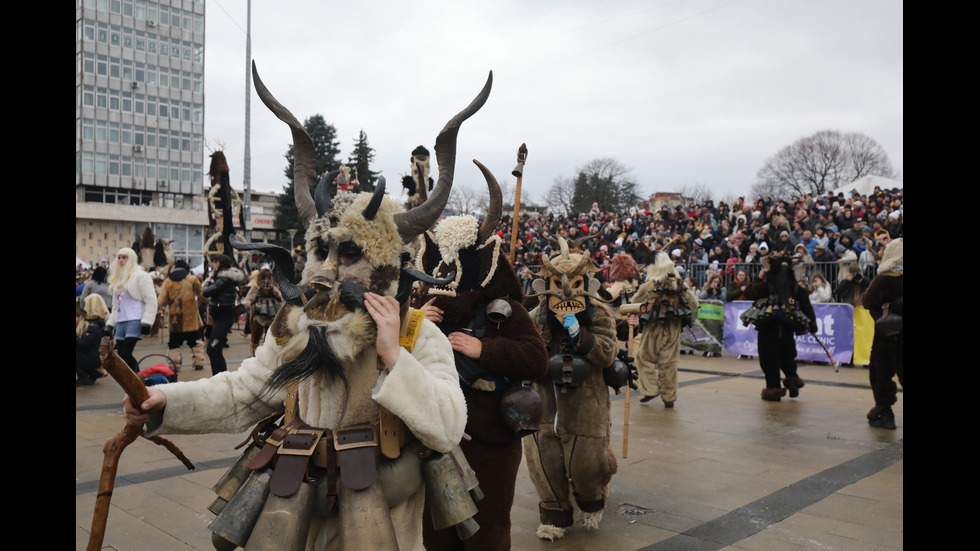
(300,442)
(357,436)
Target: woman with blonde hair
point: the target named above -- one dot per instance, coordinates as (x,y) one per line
(89,328)
(134,303)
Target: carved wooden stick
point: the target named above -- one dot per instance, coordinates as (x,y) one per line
(136,390)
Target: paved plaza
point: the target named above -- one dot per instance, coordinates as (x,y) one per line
(723,470)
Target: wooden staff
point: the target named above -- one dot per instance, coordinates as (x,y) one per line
(833,362)
(136,390)
(625,310)
(519,173)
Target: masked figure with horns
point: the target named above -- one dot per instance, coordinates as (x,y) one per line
(780,310)
(671,305)
(368,386)
(496,348)
(570,455)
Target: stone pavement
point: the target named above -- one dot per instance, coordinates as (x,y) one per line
(723,470)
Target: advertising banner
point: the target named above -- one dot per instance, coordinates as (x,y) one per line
(835,329)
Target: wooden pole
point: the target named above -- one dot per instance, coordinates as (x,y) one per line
(519,173)
(112,451)
(628,309)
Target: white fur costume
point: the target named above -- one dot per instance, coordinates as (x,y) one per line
(422,389)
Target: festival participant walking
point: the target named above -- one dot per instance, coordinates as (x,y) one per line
(570,456)
(134,304)
(780,311)
(671,306)
(492,358)
(884,300)
(222,293)
(182,292)
(368,383)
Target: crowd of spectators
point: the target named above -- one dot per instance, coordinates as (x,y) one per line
(829,232)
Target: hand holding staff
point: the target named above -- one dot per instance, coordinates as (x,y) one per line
(629,309)
(136,390)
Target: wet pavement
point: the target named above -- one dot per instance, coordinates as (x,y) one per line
(722,470)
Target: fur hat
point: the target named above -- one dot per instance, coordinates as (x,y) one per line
(893,257)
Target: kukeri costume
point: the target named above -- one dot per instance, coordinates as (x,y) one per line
(781,310)
(671,305)
(884,299)
(343,469)
(264,301)
(181,294)
(484,296)
(570,455)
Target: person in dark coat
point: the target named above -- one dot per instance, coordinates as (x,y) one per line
(88,336)
(222,292)
(883,299)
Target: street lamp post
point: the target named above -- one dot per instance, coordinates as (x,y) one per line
(292,233)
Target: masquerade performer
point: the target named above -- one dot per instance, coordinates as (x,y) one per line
(134,303)
(369,386)
(671,306)
(182,292)
(780,311)
(884,299)
(570,455)
(496,348)
(419,184)
(263,301)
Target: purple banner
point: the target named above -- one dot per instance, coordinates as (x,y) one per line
(835,329)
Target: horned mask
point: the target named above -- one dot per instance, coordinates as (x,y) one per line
(463,251)
(354,240)
(567,280)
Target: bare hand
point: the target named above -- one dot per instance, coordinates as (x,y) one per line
(432,313)
(387,315)
(469,346)
(139,416)
(632,320)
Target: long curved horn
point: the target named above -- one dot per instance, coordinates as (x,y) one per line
(322,193)
(490,221)
(372,207)
(421,218)
(283,268)
(422,188)
(304,153)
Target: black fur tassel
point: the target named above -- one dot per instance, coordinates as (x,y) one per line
(316,357)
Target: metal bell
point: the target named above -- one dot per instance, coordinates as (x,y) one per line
(449,501)
(284,523)
(235,522)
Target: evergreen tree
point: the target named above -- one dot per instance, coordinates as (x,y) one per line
(327,158)
(360,161)
(604,181)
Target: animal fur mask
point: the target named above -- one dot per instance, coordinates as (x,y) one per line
(567,280)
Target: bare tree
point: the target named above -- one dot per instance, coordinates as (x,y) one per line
(820,163)
(560,194)
(700,193)
(464,199)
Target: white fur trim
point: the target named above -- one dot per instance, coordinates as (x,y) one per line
(495,239)
(550,532)
(455,234)
(591,520)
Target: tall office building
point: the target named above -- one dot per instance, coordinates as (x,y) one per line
(139,125)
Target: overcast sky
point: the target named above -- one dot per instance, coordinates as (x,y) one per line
(683,92)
